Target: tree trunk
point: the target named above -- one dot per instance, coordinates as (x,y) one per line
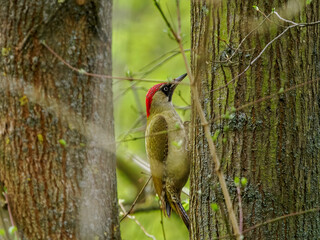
(57,150)
(274,143)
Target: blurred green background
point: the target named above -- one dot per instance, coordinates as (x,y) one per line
(141,45)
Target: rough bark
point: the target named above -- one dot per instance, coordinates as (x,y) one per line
(274,143)
(57,139)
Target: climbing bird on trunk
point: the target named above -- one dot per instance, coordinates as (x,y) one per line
(166,146)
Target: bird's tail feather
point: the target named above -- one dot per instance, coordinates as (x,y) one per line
(182,213)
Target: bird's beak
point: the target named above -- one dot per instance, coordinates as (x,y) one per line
(175,82)
(179,79)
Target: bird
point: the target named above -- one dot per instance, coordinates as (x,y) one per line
(167,147)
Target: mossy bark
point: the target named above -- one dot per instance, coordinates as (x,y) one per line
(60,178)
(275,143)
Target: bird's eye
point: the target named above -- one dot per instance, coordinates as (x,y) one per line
(165,89)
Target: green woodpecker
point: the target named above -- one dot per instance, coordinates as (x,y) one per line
(166,146)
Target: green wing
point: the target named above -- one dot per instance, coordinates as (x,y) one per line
(157,150)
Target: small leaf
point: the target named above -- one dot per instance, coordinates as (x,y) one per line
(244,181)
(40,137)
(63,142)
(224,140)
(215,135)
(5,51)
(177,126)
(2,232)
(232,110)
(82,71)
(273,10)
(12,229)
(129,74)
(23,100)
(226,116)
(82,144)
(281,90)
(157,197)
(226,128)
(205,10)
(308,2)
(237,181)
(177,144)
(7,141)
(186,204)
(215,207)
(256,7)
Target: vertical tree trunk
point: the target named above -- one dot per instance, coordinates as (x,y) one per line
(273,143)
(57,139)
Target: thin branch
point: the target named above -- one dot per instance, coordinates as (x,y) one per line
(260,100)
(137,222)
(294,24)
(281,218)
(82,71)
(162,223)
(10,214)
(272,221)
(240,209)
(253,61)
(156,2)
(245,38)
(135,201)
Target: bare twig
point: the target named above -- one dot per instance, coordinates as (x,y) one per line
(272,221)
(162,223)
(240,209)
(281,218)
(253,61)
(82,71)
(135,201)
(245,38)
(294,24)
(270,97)
(165,19)
(137,222)
(10,214)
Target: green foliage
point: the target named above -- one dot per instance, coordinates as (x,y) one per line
(281,90)
(2,232)
(63,142)
(214,207)
(237,181)
(40,137)
(82,71)
(23,100)
(5,51)
(215,135)
(308,2)
(244,181)
(186,204)
(177,144)
(12,229)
